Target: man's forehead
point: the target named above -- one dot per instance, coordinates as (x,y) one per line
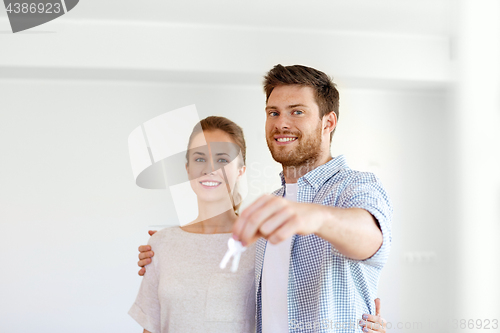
(291,96)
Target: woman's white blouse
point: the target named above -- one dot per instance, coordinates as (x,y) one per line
(184,290)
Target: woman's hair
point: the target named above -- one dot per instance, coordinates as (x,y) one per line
(214,123)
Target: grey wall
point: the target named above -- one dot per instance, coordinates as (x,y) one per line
(72,217)
(419,107)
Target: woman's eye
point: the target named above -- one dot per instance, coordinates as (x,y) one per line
(199,159)
(222,160)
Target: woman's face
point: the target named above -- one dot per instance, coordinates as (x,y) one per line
(214,162)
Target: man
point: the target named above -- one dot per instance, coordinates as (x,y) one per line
(321,248)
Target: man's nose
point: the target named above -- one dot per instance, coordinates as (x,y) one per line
(282,122)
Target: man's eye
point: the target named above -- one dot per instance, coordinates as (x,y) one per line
(298,112)
(273,113)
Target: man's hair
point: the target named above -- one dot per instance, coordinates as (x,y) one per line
(327,96)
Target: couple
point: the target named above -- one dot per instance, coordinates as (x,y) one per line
(319,242)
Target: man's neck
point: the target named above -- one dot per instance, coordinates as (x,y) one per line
(294,172)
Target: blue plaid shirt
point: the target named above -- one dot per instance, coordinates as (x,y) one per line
(328,292)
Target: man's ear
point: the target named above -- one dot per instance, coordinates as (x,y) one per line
(329,122)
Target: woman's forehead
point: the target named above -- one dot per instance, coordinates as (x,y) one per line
(211,136)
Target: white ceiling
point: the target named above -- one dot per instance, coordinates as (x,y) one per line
(402,42)
(427,17)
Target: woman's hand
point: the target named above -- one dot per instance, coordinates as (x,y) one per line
(145,255)
(375,323)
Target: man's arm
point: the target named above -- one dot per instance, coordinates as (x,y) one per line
(145,255)
(352,231)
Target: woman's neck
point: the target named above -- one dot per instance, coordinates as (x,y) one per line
(212,221)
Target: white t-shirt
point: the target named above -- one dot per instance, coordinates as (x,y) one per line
(275,279)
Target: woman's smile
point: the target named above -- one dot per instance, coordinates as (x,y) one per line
(209,184)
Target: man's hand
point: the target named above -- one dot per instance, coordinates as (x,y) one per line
(276,219)
(352,231)
(145,255)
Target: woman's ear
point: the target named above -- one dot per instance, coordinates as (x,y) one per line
(242,171)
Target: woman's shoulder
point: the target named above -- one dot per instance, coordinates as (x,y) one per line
(165,234)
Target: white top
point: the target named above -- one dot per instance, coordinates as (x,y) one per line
(275,279)
(184,290)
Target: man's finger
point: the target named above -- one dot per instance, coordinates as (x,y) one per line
(240,223)
(142,271)
(151,232)
(144,248)
(275,221)
(287,229)
(257,218)
(144,262)
(145,255)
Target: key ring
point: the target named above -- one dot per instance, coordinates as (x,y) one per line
(235,249)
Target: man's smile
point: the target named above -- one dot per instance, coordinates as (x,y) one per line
(284,140)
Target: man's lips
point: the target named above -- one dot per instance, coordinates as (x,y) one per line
(284,139)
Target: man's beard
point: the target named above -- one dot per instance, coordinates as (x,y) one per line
(306,152)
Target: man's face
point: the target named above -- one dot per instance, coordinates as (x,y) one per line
(293,127)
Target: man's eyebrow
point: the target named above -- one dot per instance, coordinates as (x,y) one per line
(297,105)
(288,107)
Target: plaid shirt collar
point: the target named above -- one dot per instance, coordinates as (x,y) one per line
(318,176)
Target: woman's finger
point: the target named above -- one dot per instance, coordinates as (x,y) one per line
(371,326)
(373,319)
(377,307)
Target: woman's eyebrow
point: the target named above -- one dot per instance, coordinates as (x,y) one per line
(199,153)
(218,154)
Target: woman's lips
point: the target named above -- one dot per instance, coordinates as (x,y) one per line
(210,184)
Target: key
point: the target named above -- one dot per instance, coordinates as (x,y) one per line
(234,249)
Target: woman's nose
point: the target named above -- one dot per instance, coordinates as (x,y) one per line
(209,168)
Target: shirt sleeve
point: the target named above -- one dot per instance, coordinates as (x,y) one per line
(365,191)
(146,308)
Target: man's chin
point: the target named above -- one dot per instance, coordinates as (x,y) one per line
(284,159)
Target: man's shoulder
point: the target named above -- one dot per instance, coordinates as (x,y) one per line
(277,192)
(348,175)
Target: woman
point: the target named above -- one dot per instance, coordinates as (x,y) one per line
(184,290)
